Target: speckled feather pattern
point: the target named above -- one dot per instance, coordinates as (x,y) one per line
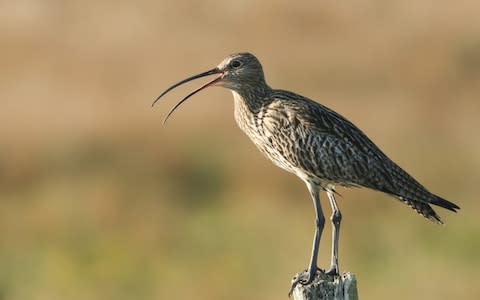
(320,146)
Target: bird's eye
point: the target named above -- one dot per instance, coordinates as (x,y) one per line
(235,64)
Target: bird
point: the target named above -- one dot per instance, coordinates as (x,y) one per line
(312,141)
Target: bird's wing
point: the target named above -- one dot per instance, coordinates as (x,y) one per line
(332,147)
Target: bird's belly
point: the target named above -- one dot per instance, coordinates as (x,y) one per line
(266,136)
(277,157)
(286,157)
(264,144)
(279,154)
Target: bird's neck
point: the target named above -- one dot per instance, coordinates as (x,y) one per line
(251,100)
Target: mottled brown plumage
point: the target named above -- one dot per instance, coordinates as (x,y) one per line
(317,144)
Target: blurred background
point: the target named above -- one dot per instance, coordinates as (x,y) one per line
(100,201)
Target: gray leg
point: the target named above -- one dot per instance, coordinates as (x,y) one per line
(319,222)
(308,275)
(335,218)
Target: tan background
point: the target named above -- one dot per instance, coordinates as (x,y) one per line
(100,201)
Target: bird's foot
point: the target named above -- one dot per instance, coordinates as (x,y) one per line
(333,271)
(304,278)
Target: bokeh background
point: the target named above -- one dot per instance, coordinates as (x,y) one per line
(98,200)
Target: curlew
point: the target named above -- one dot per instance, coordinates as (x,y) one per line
(315,143)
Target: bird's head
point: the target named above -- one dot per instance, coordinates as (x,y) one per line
(238,72)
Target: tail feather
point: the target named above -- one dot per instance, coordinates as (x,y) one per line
(420,202)
(389,178)
(415,195)
(423,209)
(444,203)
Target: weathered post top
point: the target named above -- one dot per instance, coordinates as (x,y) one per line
(327,287)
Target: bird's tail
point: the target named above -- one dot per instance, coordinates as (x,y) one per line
(412,193)
(444,203)
(424,208)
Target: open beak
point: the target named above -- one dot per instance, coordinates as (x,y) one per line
(207,73)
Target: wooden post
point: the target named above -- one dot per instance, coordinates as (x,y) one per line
(326,287)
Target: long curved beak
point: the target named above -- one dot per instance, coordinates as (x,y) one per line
(207,73)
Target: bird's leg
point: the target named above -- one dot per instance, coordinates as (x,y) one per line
(307,276)
(319,224)
(336,218)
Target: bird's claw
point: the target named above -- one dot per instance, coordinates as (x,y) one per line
(332,271)
(304,278)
